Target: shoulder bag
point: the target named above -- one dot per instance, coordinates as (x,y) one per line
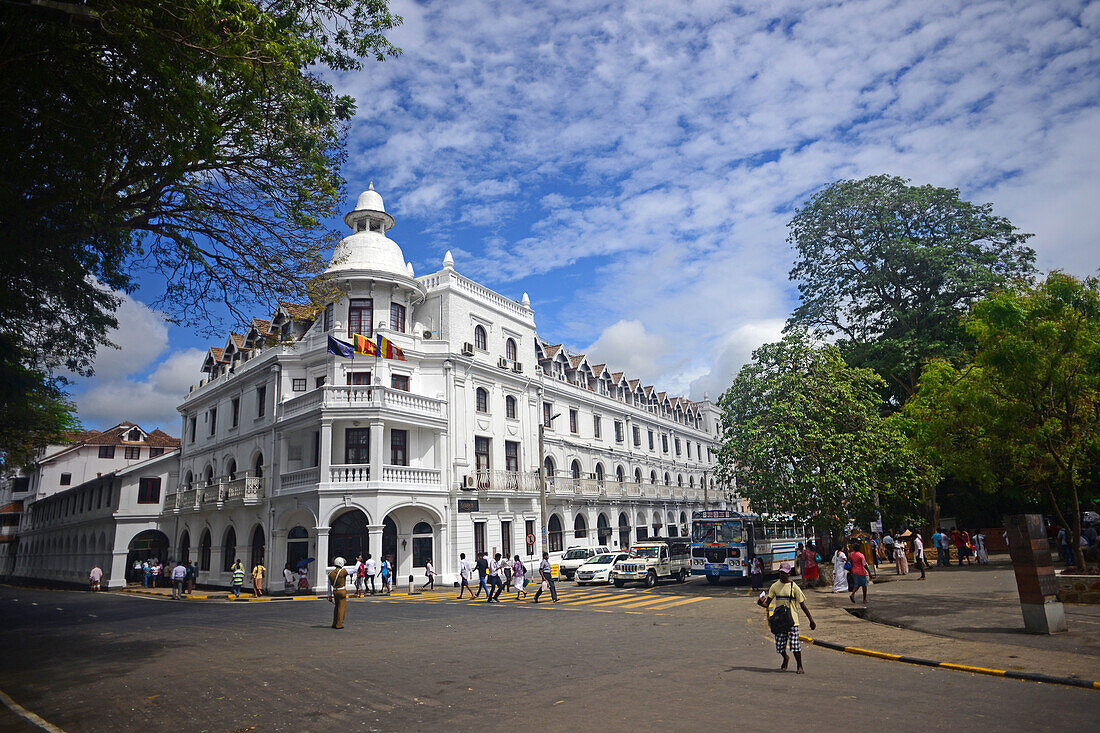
(782,620)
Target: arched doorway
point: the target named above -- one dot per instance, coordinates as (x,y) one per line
(422,544)
(553,529)
(229,550)
(624,531)
(258,543)
(548,464)
(204,551)
(297,546)
(258,466)
(185,547)
(348,536)
(580,529)
(603,530)
(151,544)
(389,541)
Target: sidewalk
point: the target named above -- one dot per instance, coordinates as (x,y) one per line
(969,616)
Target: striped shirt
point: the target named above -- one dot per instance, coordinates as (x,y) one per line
(238,576)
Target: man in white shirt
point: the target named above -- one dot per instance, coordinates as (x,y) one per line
(95,577)
(918,553)
(465,572)
(494,579)
(371,570)
(179,575)
(429,570)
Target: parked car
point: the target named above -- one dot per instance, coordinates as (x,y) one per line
(597,569)
(574,557)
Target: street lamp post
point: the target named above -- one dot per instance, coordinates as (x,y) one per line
(542,478)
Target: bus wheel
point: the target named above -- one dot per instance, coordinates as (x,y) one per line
(650,579)
(682,578)
(620,583)
(713,579)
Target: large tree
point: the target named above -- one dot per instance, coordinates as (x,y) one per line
(888,269)
(197,138)
(1024,413)
(802,434)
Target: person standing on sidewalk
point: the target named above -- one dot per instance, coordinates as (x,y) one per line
(465,572)
(192,577)
(840,572)
(809,565)
(238,578)
(859,573)
(179,577)
(360,572)
(547,578)
(94,578)
(900,561)
(370,568)
(918,553)
(786,595)
(979,547)
(258,580)
(338,592)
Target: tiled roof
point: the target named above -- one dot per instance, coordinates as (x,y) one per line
(634,383)
(262,325)
(113,436)
(575,361)
(550,350)
(617,376)
(299,311)
(217,352)
(598,369)
(238,339)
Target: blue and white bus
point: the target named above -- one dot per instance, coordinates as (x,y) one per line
(723,543)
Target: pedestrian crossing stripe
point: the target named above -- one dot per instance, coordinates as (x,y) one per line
(646,602)
(608,600)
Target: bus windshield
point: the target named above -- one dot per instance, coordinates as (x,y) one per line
(724,532)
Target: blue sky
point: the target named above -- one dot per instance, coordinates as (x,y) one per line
(632,166)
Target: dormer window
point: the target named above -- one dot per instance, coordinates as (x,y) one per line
(134,436)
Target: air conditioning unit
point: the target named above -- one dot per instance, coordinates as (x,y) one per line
(468,482)
(502,363)
(467,349)
(517,367)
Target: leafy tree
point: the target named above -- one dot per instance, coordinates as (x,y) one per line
(1024,413)
(196,138)
(802,434)
(889,269)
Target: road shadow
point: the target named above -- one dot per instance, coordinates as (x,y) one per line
(759,670)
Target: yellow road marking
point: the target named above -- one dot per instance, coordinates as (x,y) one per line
(680,602)
(871,653)
(976,670)
(647,602)
(603,601)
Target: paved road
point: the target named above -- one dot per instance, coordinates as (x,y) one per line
(623,660)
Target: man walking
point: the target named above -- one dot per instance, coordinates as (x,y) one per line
(482,574)
(94,577)
(370,568)
(888,547)
(338,592)
(465,572)
(429,570)
(494,578)
(192,576)
(258,580)
(918,553)
(238,579)
(784,592)
(860,577)
(179,577)
(360,572)
(547,578)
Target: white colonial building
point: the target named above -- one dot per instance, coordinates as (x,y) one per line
(291,452)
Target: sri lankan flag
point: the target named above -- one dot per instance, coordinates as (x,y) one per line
(387,349)
(363,345)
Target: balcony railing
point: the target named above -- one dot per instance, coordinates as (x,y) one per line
(352,473)
(358,473)
(365,396)
(506,480)
(248,489)
(302,477)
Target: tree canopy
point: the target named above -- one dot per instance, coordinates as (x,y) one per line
(802,435)
(1023,414)
(888,269)
(196,138)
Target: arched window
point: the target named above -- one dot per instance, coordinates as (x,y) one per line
(619,474)
(653,477)
(691,482)
(482,399)
(548,464)
(189,481)
(258,466)
(599,472)
(185,547)
(297,546)
(510,407)
(668,479)
(208,475)
(553,529)
(229,550)
(481,339)
(637,475)
(204,551)
(575,469)
(680,480)
(510,350)
(231,469)
(624,531)
(422,544)
(348,536)
(258,546)
(579,529)
(603,530)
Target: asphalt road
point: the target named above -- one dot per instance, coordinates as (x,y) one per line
(120,663)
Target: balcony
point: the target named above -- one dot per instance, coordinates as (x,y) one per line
(507,480)
(364,397)
(359,473)
(247,489)
(296,479)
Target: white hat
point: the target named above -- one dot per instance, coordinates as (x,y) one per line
(338,562)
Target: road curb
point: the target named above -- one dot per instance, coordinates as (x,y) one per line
(1007,673)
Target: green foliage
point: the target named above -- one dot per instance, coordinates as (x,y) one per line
(33,412)
(195,138)
(890,268)
(802,435)
(1023,415)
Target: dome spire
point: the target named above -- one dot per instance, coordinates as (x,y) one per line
(448,261)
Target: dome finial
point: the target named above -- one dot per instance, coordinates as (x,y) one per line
(448,261)
(371,186)
(526,302)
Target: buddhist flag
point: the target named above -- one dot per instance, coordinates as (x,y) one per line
(364,345)
(387,349)
(340,348)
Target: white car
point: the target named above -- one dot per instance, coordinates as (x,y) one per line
(574,557)
(598,569)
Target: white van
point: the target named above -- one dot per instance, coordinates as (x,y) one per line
(574,557)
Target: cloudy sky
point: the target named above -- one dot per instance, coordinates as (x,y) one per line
(633,165)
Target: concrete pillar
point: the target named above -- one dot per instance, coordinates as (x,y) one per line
(374,542)
(116,573)
(321,566)
(276,560)
(325,462)
(377,448)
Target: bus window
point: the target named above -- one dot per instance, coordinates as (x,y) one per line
(759,532)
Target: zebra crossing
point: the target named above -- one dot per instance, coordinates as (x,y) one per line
(607,600)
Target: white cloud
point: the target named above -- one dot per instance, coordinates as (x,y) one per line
(735,351)
(150,402)
(627,346)
(141,336)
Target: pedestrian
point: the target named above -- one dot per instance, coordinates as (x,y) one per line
(918,554)
(1063,544)
(900,561)
(237,578)
(888,542)
(303,579)
(840,571)
(156,573)
(936,537)
(288,579)
(756,573)
(338,592)
(146,573)
(519,576)
(94,578)
(179,579)
(482,574)
(859,572)
(258,580)
(360,576)
(387,572)
(430,572)
(979,547)
(783,620)
(370,568)
(547,579)
(465,572)
(810,572)
(506,567)
(192,577)
(876,549)
(494,578)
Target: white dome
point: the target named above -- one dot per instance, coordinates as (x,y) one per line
(368,251)
(369,200)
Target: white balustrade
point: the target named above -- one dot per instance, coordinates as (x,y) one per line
(299,478)
(497,480)
(352,473)
(411,475)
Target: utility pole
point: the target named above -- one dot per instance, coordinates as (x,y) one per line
(542,478)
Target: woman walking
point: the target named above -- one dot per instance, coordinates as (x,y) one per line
(756,574)
(519,576)
(387,572)
(979,542)
(840,572)
(810,572)
(900,560)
